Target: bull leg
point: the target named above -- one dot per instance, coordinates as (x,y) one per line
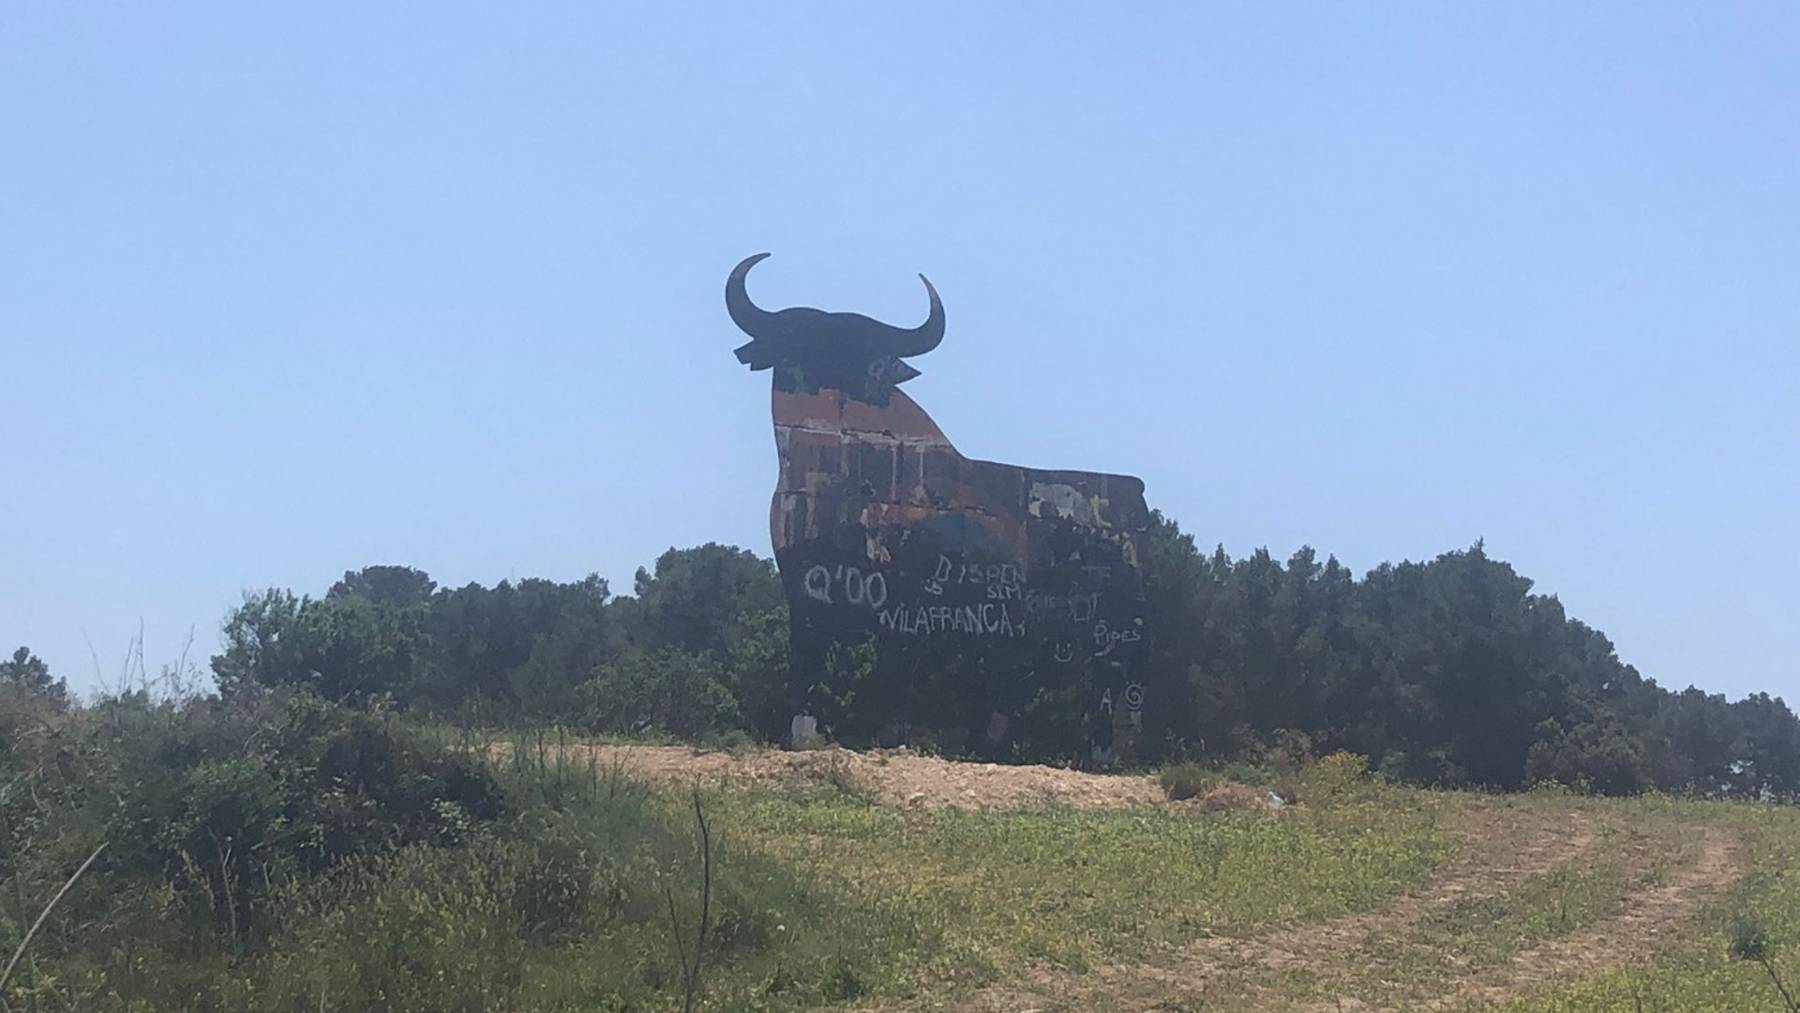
(806,669)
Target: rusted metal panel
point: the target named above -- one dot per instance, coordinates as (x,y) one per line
(884,532)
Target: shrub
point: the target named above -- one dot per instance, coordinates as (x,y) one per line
(1748,940)
(1185,780)
(418,928)
(1338,774)
(664,690)
(1244,772)
(214,812)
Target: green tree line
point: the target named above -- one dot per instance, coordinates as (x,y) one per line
(1446,672)
(1449,672)
(698,649)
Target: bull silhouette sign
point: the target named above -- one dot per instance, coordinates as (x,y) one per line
(1014,594)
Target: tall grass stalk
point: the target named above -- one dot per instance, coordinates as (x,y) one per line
(690,971)
(42,915)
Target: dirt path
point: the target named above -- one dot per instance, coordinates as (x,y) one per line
(1484,867)
(1503,843)
(1651,920)
(1249,973)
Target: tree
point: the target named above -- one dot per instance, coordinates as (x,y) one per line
(516,647)
(757,672)
(1449,671)
(265,643)
(663,690)
(697,598)
(392,585)
(343,647)
(29,673)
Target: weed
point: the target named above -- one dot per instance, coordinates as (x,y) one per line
(840,775)
(1749,941)
(691,968)
(1245,772)
(843,982)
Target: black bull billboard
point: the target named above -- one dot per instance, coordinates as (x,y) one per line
(1012,596)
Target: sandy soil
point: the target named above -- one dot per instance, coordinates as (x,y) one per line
(895,777)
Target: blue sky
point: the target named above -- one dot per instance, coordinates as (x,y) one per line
(288,292)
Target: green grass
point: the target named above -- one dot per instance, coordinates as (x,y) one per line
(1074,887)
(1412,960)
(1495,935)
(1700,975)
(822,897)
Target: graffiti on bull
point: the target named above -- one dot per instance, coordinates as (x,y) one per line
(884,533)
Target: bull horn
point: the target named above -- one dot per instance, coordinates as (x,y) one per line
(926,336)
(750,318)
(898,342)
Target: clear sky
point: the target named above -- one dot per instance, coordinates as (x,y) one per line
(285,292)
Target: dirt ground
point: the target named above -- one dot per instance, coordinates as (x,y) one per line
(894,776)
(1651,920)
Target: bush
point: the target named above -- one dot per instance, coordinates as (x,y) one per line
(424,928)
(1596,756)
(1186,780)
(1339,774)
(415,929)
(1244,772)
(664,690)
(215,813)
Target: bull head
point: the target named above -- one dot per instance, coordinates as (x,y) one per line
(810,348)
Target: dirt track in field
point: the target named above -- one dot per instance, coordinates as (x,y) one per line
(1651,920)
(1483,868)
(1501,847)
(1479,871)
(1252,973)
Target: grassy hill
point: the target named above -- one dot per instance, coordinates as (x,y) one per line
(299,857)
(977,887)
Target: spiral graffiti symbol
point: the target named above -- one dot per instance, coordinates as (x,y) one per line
(1134,696)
